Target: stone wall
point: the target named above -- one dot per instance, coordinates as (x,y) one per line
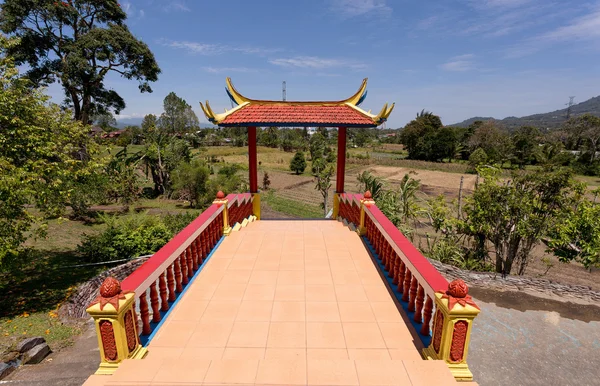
(76,305)
(537,287)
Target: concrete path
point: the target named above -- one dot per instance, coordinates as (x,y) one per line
(535,347)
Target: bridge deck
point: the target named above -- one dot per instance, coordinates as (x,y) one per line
(285,303)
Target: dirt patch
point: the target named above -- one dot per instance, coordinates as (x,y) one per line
(430,178)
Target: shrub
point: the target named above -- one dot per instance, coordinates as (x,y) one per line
(190,181)
(298,163)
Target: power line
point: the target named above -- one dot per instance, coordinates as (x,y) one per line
(570,104)
(283,89)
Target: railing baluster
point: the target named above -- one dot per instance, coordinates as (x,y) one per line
(406,290)
(178,275)
(194,251)
(171,283)
(164,296)
(183,265)
(190,262)
(154,303)
(413,294)
(145,314)
(427,312)
(419,304)
(395,268)
(388,259)
(401,275)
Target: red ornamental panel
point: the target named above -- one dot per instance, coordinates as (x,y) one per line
(459,338)
(437,332)
(109,344)
(130,331)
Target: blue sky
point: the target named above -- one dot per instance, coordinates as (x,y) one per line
(456,58)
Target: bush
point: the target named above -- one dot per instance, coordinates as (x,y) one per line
(298,163)
(190,181)
(131,237)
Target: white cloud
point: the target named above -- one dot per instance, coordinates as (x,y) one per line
(428,22)
(583,28)
(176,5)
(213,49)
(219,70)
(460,63)
(314,62)
(351,8)
(131,11)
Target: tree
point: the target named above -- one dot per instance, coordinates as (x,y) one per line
(496,143)
(298,163)
(106,121)
(269,137)
(477,158)
(266,181)
(577,235)
(39,161)
(514,215)
(317,146)
(425,138)
(178,116)
(525,143)
(189,181)
(587,128)
(77,43)
(322,174)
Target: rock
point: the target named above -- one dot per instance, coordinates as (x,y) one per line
(11,356)
(36,354)
(29,343)
(6,369)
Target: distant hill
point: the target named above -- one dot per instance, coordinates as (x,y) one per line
(550,120)
(123,123)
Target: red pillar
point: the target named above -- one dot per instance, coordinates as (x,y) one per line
(341,160)
(253,167)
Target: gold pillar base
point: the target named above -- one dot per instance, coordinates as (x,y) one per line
(256,205)
(336,206)
(460,371)
(227,231)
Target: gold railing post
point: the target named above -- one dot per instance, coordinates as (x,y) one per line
(222,200)
(367,200)
(256,205)
(336,206)
(452,325)
(116,326)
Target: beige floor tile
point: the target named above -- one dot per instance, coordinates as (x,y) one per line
(378,293)
(164,352)
(341,265)
(363,335)
(292,263)
(356,312)
(96,380)
(248,334)
(322,312)
(285,353)
(325,335)
(396,335)
(320,293)
(288,311)
(260,292)
(381,372)
(287,335)
(174,334)
(281,371)
(255,311)
(244,353)
(326,353)
(220,310)
(405,354)
(316,277)
(183,370)
(331,372)
(386,312)
(350,293)
(290,277)
(132,370)
(345,277)
(425,373)
(229,291)
(263,277)
(242,264)
(266,264)
(312,264)
(218,264)
(231,371)
(202,352)
(211,334)
(369,353)
(286,292)
(190,311)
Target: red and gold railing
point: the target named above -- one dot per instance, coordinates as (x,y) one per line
(158,283)
(420,289)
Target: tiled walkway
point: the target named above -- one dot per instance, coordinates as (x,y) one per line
(285,303)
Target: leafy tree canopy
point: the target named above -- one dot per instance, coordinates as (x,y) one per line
(178,116)
(77,43)
(298,163)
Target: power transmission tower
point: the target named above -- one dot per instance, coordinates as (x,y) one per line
(570,104)
(283,90)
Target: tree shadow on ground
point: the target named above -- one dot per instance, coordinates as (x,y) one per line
(41,281)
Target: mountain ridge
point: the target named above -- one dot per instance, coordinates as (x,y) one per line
(550,120)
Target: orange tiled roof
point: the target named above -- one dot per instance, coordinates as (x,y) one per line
(296,114)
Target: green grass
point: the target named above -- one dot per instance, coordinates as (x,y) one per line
(291,207)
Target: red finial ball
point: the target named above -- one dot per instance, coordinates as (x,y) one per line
(457,289)
(368,195)
(220,195)
(110,288)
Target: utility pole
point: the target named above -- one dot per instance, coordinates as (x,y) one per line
(283,90)
(570,104)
